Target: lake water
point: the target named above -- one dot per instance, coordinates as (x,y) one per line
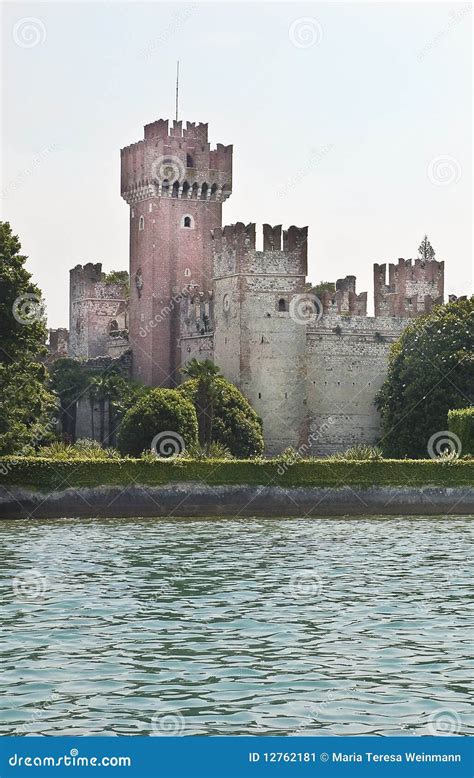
(232,627)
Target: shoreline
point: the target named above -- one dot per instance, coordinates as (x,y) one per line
(196,500)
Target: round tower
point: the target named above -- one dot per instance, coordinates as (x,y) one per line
(174,185)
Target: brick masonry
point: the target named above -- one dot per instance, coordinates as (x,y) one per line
(311,368)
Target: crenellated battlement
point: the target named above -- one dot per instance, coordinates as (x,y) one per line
(413,287)
(89,272)
(175,162)
(345,300)
(234,250)
(98,309)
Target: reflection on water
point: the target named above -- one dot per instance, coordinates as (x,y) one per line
(335,627)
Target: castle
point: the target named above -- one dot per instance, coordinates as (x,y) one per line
(311,366)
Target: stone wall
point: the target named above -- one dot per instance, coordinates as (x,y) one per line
(346,365)
(258,343)
(98,310)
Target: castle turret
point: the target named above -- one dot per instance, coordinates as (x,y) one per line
(414,286)
(260,303)
(98,309)
(345,300)
(175,186)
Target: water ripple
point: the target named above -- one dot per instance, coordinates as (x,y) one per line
(262,627)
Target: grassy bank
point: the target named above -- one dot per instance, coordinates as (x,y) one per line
(48,475)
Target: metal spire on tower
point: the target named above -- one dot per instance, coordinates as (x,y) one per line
(177,87)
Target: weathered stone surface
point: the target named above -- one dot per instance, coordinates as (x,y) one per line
(192,499)
(98,310)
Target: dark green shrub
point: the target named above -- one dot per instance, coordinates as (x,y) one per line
(430,372)
(235,423)
(461,423)
(161,412)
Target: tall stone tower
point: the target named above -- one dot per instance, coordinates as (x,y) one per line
(175,186)
(260,302)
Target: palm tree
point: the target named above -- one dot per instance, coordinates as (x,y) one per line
(104,389)
(205,373)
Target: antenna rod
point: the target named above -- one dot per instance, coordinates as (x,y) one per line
(177,87)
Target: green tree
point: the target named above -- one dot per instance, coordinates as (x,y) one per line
(162,416)
(323,286)
(26,403)
(235,423)
(70,381)
(430,372)
(205,375)
(425,249)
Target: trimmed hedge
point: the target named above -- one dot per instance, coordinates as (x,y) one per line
(48,475)
(461,423)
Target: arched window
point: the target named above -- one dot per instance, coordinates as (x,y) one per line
(189,161)
(187,222)
(141,223)
(282,305)
(113,326)
(175,189)
(187,272)
(204,190)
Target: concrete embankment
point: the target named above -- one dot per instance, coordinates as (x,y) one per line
(197,500)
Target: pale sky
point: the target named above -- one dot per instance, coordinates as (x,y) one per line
(353,119)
